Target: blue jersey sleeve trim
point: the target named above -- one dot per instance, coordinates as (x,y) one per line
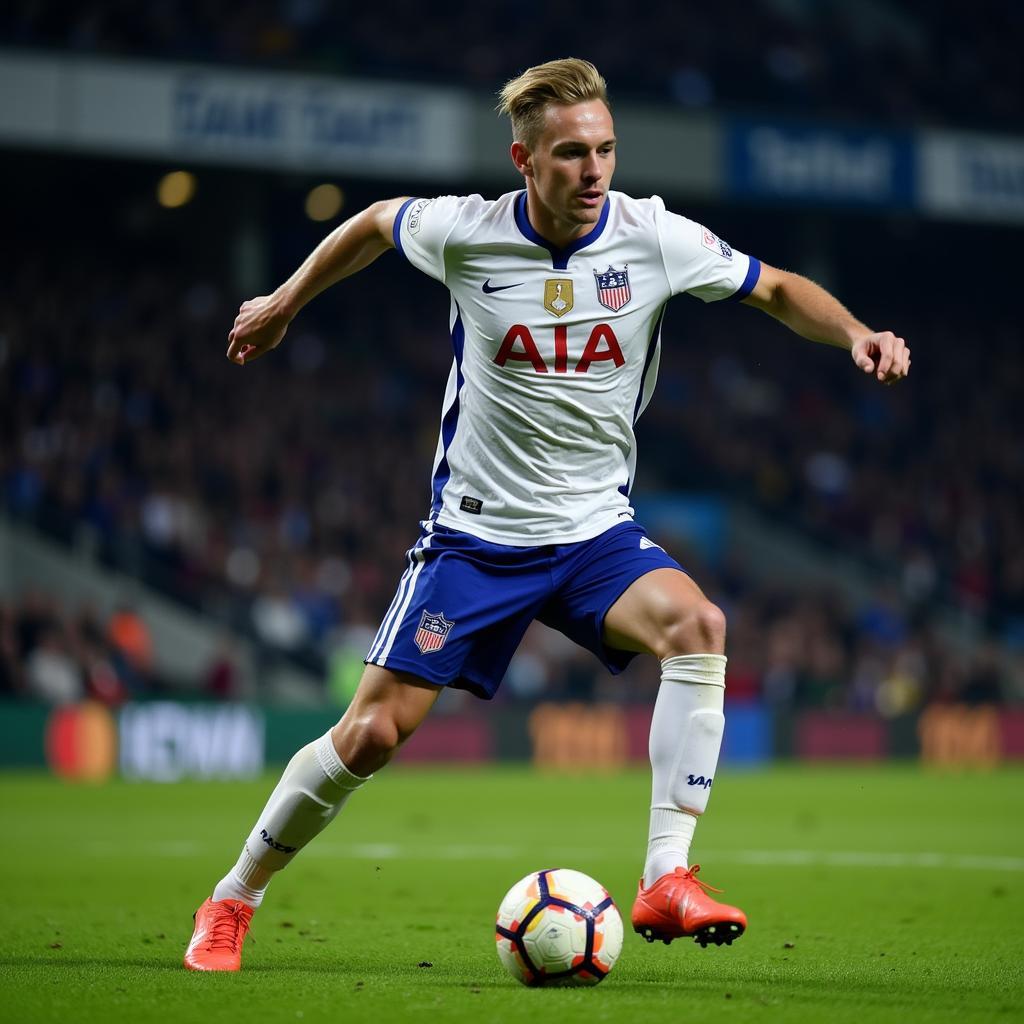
(396,230)
(749,282)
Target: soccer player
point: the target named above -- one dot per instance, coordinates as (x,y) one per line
(557,298)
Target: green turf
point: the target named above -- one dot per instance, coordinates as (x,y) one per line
(874,894)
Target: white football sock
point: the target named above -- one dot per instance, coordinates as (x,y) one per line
(686,736)
(313,788)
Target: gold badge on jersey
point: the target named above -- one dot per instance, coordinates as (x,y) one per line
(558,296)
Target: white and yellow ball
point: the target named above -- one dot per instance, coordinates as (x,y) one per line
(558,927)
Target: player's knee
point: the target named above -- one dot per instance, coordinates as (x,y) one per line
(711,626)
(368,740)
(698,629)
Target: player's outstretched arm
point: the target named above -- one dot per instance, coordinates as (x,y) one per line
(813,313)
(261,322)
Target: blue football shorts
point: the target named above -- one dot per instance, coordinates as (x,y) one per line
(463,604)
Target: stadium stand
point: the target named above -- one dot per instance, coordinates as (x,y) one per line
(124,436)
(130,438)
(871,60)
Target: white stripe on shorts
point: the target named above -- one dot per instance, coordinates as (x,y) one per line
(382,658)
(395,601)
(400,602)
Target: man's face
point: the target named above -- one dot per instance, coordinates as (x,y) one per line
(572,163)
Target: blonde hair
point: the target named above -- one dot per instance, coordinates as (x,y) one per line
(566,81)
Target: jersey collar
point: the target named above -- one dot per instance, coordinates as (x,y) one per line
(559,257)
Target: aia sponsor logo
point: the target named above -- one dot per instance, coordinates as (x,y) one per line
(519,346)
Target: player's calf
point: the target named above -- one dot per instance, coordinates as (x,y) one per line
(312,790)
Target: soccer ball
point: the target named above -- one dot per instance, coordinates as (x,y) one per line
(558,927)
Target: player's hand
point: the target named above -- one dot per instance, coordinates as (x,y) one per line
(258,328)
(884,355)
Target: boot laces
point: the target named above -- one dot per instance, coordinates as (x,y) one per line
(692,874)
(228,927)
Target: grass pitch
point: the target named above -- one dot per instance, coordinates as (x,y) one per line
(874,894)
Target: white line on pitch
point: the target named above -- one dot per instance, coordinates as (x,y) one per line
(767,858)
(863,859)
(181,848)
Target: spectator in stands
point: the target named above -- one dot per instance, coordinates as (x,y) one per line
(833,60)
(132,648)
(223,679)
(91,413)
(51,673)
(10,681)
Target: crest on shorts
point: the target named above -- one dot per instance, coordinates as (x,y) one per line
(558,296)
(613,290)
(432,632)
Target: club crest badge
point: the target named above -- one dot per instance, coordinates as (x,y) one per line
(432,632)
(558,296)
(613,291)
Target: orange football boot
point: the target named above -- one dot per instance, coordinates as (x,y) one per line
(678,905)
(221,927)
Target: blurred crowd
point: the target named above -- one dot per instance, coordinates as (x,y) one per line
(937,63)
(61,652)
(50,653)
(922,481)
(788,648)
(278,499)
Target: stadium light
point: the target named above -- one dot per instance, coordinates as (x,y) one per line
(324,202)
(176,189)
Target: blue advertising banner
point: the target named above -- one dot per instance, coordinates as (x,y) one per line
(748,736)
(818,164)
(702,521)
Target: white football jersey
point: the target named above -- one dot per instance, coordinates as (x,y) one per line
(556,355)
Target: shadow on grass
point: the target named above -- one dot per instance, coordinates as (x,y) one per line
(362,970)
(903,991)
(114,962)
(319,966)
(899,991)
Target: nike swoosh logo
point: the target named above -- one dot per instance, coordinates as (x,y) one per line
(489,288)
